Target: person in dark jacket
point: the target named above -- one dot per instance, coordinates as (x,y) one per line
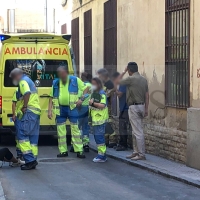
(123,114)
(7,156)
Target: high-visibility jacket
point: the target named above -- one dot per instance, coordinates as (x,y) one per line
(99,116)
(26,85)
(73,94)
(18,99)
(87,99)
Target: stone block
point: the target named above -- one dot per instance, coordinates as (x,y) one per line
(193,119)
(183,141)
(175,138)
(193,149)
(185,134)
(180,145)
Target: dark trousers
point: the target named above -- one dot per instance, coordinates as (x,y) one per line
(123,128)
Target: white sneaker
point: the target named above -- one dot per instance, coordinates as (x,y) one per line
(18,164)
(100,159)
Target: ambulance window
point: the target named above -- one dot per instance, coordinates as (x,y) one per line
(42,72)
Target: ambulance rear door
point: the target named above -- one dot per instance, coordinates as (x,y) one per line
(49,57)
(23,56)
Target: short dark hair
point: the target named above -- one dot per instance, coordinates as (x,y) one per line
(98,81)
(104,72)
(89,77)
(133,67)
(84,74)
(115,75)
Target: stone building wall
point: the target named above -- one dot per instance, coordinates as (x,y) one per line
(143,41)
(166,142)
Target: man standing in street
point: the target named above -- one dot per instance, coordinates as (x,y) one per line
(123,115)
(29,124)
(138,101)
(65,103)
(110,136)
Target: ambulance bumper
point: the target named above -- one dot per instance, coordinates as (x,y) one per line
(44,130)
(7,130)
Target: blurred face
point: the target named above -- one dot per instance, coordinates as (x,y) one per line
(102,78)
(116,80)
(16,79)
(62,74)
(95,86)
(130,73)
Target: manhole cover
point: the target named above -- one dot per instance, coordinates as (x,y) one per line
(57,160)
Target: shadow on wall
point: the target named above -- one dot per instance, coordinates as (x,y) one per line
(165,127)
(159,114)
(157,109)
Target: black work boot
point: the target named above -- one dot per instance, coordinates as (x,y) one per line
(29,166)
(111,145)
(86,149)
(80,155)
(121,148)
(62,155)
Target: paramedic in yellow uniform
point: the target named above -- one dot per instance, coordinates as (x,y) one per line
(17,104)
(29,124)
(65,102)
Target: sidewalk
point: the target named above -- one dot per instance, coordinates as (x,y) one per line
(2,196)
(157,165)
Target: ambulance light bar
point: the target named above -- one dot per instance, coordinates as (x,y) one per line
(4,37)
(36,38)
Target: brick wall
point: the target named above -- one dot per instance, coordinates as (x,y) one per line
(166,142)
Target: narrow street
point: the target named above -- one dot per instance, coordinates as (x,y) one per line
(85,180)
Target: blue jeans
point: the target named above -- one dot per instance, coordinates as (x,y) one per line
(83,123)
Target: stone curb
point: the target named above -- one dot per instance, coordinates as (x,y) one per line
(2,195)
(150,168)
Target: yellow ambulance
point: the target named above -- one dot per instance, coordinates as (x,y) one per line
(39,56)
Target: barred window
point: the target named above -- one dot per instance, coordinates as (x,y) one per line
(88,41)
(177,53)
(75,41)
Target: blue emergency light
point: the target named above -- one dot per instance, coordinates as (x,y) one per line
(4,37)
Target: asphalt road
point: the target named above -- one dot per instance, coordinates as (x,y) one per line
(75,179)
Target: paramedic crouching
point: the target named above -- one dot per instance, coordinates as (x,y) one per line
(28,132)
